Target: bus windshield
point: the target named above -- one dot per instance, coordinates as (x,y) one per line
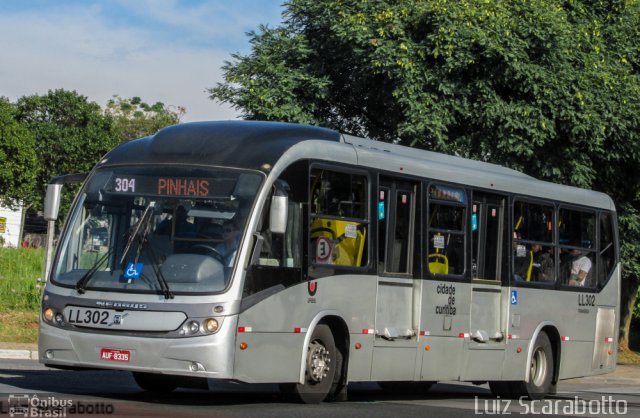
(156,229)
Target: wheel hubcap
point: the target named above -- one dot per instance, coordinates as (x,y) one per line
(538,367)
(318,361)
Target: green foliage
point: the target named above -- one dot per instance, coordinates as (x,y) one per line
(548,87)
(18,161)
(503,81)
(630,245)
(135,118)
(19,271)
(71,135)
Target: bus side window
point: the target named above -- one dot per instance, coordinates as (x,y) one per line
(285,250)
(533,249)
(338,219)
(607,256)
(279,263)
(577,255)
(446,234)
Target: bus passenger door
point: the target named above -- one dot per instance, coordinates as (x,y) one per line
(394,354)
(487,333)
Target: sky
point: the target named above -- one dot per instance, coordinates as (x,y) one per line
(159,50)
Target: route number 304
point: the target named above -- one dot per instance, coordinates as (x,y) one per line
(125,185)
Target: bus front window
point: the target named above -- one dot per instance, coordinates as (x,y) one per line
(158,230)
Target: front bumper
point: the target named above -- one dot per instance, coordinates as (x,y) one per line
(208,356)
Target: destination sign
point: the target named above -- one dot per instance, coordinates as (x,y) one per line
(162,186)
(442,192)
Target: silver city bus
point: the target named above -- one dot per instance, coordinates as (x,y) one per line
(279,253)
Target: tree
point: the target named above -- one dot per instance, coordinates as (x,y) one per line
(18,162)
(135,118)
(71,135)
(548,87)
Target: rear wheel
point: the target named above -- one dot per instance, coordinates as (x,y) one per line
(540,369)
(540,374)
(156,383)
(320,370)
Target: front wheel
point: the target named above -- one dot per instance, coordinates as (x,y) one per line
(320,370)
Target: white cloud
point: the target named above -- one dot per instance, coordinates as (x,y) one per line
(74,49)
(217,19)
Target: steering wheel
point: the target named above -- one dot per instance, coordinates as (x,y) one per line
(212,252)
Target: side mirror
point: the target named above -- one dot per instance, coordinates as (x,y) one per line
(54,191)
(52,202)
(279,208)
(51,209)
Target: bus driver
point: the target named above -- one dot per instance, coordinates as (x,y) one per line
(227,248)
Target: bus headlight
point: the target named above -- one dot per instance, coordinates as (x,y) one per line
(210,325)
(193,327)
(48,314)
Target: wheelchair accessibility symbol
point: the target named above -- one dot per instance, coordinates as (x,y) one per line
(514,297)
(133,271)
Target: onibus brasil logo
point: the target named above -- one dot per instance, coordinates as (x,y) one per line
(26,405)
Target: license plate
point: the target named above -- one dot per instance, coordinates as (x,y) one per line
(114,354)
(96,318)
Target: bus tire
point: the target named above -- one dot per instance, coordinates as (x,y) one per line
(320,371)
(156,383)
(540,369)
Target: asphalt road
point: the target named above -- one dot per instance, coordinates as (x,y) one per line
(110,393)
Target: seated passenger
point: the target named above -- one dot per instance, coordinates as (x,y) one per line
(522,263)
(580,267)
(543,265)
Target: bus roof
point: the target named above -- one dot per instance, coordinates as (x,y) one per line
(259,145)
(241,144)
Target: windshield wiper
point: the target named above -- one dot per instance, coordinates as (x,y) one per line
(145,225)
(86,277)
(144,220)
(144,239)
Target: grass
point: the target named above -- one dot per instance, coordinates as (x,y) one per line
(19,327)
(628,357)
(20,294)
(19,271)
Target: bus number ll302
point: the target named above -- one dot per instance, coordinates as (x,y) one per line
(586,300)
(83,316)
